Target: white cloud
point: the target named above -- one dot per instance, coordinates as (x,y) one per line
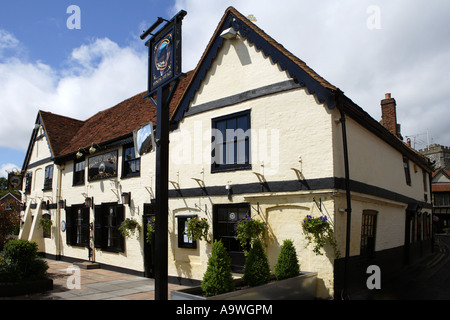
(7,168)
(97,76)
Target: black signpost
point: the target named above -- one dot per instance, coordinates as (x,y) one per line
(164,76)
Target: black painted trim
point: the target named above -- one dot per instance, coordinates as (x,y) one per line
(243,96)
(324,95)
(297,185)
(40,162)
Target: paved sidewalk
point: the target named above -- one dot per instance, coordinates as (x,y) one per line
(427,279)
(95,284)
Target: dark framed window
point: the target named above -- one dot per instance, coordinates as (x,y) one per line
(183,240)
(131,166)
(77,225)
(407,171)
(46,232)
(79,172)
(102,166)
(28,180)
(230,142)
(48,179)
(368,232)
(107,236)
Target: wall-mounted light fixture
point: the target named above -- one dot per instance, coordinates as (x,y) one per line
(89,202)
(92,150)
(230,191)
(44,205)
(62,204)
(126,198)
(79,154)
(229,34)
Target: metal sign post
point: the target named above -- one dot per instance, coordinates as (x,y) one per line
(164,75)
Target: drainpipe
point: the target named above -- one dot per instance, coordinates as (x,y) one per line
(58,214)
(344,294)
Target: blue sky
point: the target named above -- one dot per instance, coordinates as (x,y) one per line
(365,47)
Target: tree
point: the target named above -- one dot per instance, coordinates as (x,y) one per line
(9,221)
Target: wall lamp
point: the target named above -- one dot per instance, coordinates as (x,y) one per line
(79,154)
(92,149)
(62,204)
(229,34)
(230,191)
(126,198)
(89,202)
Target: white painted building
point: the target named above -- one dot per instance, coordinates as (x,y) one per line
(298,134)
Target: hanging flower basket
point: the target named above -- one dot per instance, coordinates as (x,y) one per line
(150,229)
(197,229)
(319,231)
(46,224)
(129,227)
(247,229)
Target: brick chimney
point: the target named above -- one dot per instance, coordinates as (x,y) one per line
(389,115)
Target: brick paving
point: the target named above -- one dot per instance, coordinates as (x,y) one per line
(94,284)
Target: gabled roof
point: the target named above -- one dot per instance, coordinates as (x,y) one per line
(13,195)
(296,68)
(66,135)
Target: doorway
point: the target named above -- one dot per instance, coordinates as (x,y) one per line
(224,220)
(149,248)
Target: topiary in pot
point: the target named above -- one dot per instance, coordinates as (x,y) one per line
(256,268)
(287,265)
(217,278)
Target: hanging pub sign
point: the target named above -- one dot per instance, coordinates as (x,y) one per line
(14,181)
(164,51)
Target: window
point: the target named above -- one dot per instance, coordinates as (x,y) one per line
(78,172)
(107,236)
(131,165)
(77,225)
(441,199)
(407,171)
(230,142)
(368,232)
(48,177)
(28,180)
(183,240)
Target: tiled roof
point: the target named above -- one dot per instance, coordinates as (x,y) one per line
(66,135)
(440,187)
(59,129)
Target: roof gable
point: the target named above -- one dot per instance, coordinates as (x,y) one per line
(441,176)
(295,67)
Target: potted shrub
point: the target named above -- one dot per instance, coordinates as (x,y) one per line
(197,229)
(319,231)
(287,265)
(22,271)
(256,268)
(255,284)
(218,278)
(129,227)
